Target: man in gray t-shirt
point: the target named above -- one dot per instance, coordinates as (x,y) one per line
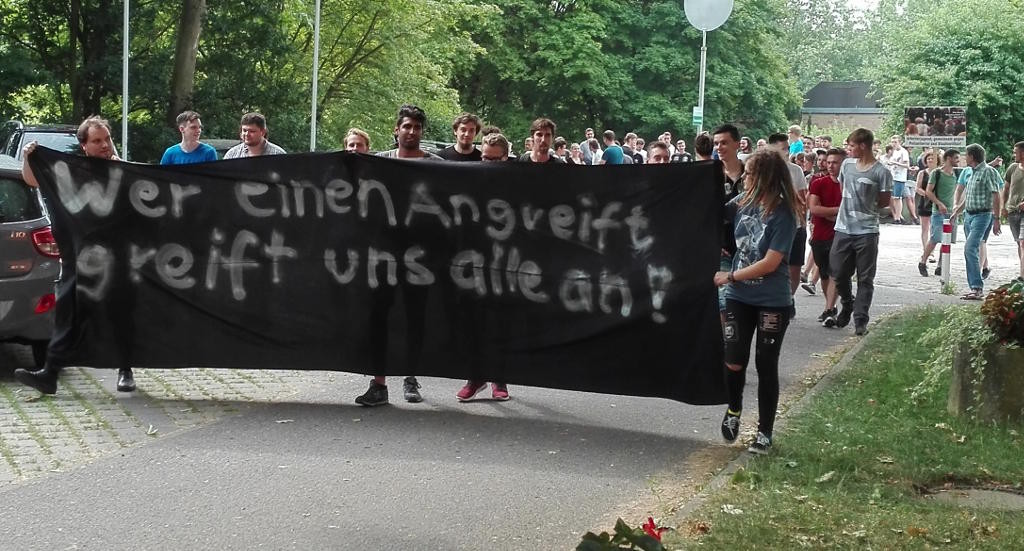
(867,187)
(858,212)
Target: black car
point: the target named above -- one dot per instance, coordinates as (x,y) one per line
(14,135)
(29,263)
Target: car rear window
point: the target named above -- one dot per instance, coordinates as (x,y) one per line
(66,143)
(18,202)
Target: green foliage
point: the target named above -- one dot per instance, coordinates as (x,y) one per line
(1004,312)
(848,470)
(626,65)
(625,537)
(961,326)
(824,41)
(960,53)
(251,57)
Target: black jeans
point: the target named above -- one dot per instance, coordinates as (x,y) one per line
(770,323)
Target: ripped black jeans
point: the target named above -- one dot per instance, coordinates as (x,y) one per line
(742,321)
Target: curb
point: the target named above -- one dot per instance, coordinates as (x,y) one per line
(723,477)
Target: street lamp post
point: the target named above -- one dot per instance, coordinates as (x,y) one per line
(705,15)
(316,73)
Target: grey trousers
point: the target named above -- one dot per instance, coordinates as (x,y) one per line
(855,253)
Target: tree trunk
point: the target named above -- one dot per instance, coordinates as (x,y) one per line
(185,57)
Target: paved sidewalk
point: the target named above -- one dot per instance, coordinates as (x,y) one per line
(900,250)
(88,419)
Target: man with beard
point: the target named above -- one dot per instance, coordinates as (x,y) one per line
(542,132)
(94,139)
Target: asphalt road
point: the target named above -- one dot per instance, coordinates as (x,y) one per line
(314,471)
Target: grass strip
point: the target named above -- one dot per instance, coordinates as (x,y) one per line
(851,469)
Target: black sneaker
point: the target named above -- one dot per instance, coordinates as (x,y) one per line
(412,392)
(860,329)
(811,290)
(761,444)
(843,319)
(730,426)
(922,268)
(376,395)
(985,272)
(938,270)
(831,312)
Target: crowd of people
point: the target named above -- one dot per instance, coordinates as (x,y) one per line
(782,194)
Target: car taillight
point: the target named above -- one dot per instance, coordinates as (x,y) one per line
(46,303)
(45,243)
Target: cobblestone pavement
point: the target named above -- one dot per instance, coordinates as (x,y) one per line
(88,418)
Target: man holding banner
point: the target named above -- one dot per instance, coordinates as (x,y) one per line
(94,139)
(408,133)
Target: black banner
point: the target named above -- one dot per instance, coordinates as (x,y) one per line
(586,278)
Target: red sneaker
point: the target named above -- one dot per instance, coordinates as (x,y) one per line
(499,392)
(471,389)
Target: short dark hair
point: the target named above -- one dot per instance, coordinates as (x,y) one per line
(560,142)
(92,122)
(411,112)
(490,129)
(609,135)
(976,152)
(254,119)
(950,153)
(703,145)
(862,136)
(836,151)
(777,137)
(186,117)
(541,124)
(466,118)
(728,129)
(1019,145)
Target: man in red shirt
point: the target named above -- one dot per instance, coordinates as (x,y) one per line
(823,198)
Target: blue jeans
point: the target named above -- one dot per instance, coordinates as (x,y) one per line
(976,228)
(936,229)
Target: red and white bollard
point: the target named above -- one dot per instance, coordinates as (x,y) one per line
(947,234)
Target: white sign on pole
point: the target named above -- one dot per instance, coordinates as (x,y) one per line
(707,15)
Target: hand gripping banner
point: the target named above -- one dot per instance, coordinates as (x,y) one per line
(585,278)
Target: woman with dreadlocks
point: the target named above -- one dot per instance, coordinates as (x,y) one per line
(757,293)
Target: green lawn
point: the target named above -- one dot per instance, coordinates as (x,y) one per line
(847,472)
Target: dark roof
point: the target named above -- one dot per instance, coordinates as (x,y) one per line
(853,94)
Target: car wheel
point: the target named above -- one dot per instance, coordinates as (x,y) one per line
(39,352)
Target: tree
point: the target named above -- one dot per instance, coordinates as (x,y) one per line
(629,65)
(71,47)
(824,40)
(185,51)
(976,62)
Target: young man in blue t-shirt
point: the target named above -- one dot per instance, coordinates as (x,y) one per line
(190,150)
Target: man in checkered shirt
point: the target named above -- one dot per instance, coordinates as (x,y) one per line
(980,200)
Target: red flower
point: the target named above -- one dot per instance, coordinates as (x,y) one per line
(652,529)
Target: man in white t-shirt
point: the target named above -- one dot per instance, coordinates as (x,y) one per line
(898,164)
